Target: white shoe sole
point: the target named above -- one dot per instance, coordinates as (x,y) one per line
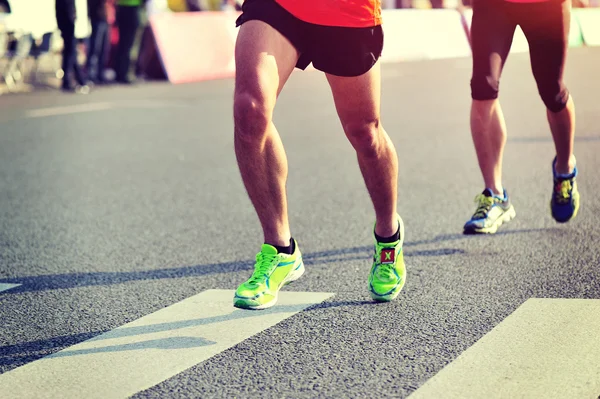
(505,218)
(290,278)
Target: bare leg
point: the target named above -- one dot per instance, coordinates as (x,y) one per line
(357,100)
(491,37)
(488,130)
(562,125)
(548,37)
(264,61)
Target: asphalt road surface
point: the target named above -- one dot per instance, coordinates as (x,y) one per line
(128,201)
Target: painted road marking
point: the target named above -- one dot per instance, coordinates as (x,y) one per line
(71,109)
(80,108)
(147,351)
(548,348)
(6,286)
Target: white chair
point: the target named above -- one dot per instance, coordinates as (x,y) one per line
(47,47)
(19,48)
(4,41)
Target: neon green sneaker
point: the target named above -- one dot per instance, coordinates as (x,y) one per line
(271,272)
(388,273)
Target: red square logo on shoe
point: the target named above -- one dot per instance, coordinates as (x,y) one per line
(388,255)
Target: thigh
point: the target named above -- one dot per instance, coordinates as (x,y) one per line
(357,99)
(277,17)
(264,60)
(492,32)
(547,32)
(345,52)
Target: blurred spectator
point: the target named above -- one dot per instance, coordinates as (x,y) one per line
(4,7)
(65,18)
(181,5)
(148,65)
(99,41)
(411,4)
(231,5)
(128,21)
(188,5)
(154,7)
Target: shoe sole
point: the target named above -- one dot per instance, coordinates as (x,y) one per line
(389,297)
(290,278)
(505,218)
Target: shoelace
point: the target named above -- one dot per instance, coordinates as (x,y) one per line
(385,270)
(265,263)
(562,191)
(485,204)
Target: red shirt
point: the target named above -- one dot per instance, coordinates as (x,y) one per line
(347,13)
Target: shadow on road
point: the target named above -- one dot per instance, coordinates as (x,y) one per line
(162,343)
(339,304)
(74,280)
(17,355)
(20,354)
(548,139)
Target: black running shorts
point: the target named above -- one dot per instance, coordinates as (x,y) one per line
(546,27)
(338,51)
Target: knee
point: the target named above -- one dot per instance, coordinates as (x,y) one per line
(554,95)
(484,87)
(365,136)
(251,117)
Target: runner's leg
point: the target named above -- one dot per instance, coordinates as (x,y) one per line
(264,61)
(357,100)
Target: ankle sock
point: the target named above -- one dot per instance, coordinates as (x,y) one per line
(286,250)
(387,240)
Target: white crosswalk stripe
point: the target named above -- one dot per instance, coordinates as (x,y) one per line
(149,350)
(548,348)
(6,286)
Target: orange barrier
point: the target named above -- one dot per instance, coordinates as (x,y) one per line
(196,46)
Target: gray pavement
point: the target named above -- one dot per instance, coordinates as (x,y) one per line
(111,212)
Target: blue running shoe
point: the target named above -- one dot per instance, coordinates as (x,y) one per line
(564,204)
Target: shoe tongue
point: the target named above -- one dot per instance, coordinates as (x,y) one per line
(487,192)
(268,249)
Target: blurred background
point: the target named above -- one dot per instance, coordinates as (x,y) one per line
(110,41)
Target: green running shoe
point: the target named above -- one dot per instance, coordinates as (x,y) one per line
(271,272)
(388,273)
